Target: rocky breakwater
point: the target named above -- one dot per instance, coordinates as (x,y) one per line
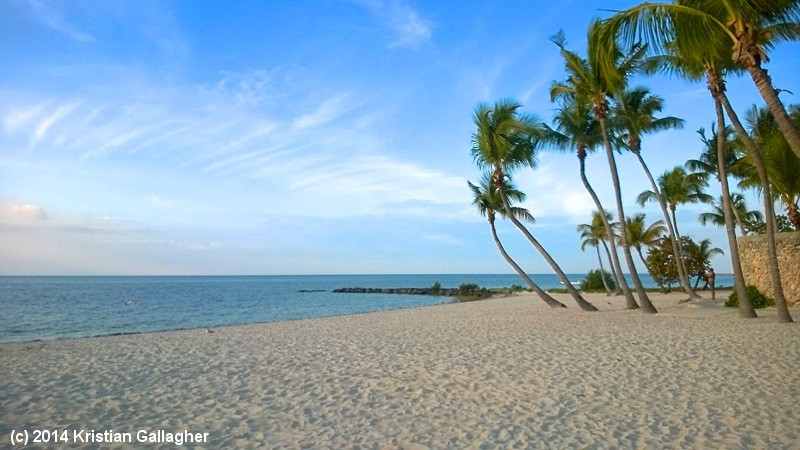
(406,291)
(465,292)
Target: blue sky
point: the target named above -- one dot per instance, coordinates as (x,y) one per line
(249,137)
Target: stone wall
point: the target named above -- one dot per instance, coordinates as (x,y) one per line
(753,253)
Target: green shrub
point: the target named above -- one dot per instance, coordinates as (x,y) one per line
(468,289)
(516,288)
(758,298)
(594,282)
(436,289)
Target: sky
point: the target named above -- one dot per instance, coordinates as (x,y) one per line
(305,137)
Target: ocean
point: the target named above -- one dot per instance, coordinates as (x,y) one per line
(47,308)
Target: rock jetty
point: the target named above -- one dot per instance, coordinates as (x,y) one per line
(406,291)
(450,292)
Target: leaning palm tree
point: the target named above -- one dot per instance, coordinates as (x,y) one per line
(504,141)
(487,200)
(641,234)
(633,116)
(749,28)
(593,235)
(677,187)
(744,216)
(704,63)
(575,129)
(586,84)
(783,167)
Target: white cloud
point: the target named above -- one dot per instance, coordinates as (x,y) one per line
(326,112)
(21,213)
(310,164)
(408,29)
(48,15)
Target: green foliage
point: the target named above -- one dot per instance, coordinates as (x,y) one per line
(468,289)
(759,227)
(436,289)
(661,261)
(516,288)
(661,264)
(759,299)
(594,281)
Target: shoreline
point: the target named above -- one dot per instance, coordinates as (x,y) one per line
(502,372)
(723,291)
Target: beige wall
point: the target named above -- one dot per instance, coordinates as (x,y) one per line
(753,253)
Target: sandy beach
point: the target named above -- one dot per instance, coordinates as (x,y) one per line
(501,373)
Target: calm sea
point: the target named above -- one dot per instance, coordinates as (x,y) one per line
(43,308)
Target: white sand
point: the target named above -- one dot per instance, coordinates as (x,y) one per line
(503,373)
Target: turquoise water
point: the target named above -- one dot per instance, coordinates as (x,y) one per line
(44,308)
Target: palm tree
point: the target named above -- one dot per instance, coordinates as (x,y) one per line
(633,115)
(706,163)
(744,217)
(706,250)
(504,141)
(696,63)
(783,167)
(757,159)
(576,129)
(585,84)
(640,234)
(677,188)
(593,235)
(487,200)
(749,28)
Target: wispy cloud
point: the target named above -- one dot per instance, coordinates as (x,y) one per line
(50,16)
(319,160)
(327,111)
(408,29)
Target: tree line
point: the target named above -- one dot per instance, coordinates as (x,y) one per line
(597,110)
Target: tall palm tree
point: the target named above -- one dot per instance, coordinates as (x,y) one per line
(744,216)
(677,188)
(641,234)
(504,141)
(593,235)
(757,159)
(783,167)
(696,63)
(634,116)
(577,130)
(749,28)
(586,84)
(706,163)
(709,54)
(487,200)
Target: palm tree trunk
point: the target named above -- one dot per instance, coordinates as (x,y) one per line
(769,211)
(679,262)
(584,305)
(602,271)
(647,306)
(553,303)
(746,309)
(683,277)
(617,290)
(736,218)
(767,90)
(630,301)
